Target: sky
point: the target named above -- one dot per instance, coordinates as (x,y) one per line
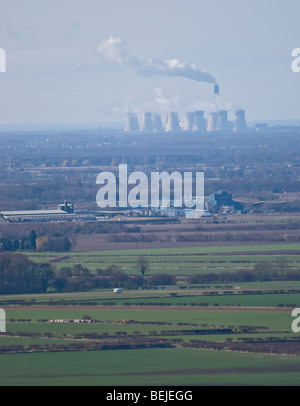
(57,72)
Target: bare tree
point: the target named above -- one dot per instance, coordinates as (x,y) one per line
(143,265)
(282,265)
(264,270)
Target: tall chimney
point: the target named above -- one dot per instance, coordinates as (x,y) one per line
(199,122)
(216,90)
(157,124)
(189,122)
(240,124)
(131,123)
(222,121)
(212,122)
(173,123)
(147,125)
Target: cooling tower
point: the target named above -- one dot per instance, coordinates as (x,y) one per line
(212,122)
(147,125)
(199,122)
(173,123)
(189,122)
(222,121)
(131,124)
(240,124)
(157,124)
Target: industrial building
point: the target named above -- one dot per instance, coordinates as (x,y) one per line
(200,123)
(66,207)
(157,123)
(147,123)
(64,212)
(131,124)
(222,202)
(240,124)
(195,121)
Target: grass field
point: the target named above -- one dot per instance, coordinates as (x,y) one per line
(169,335)
(168,366)
(152,367)
(180,261)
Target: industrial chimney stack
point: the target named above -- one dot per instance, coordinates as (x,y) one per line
(216,90)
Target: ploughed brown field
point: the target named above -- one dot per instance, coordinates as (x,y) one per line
(221,230)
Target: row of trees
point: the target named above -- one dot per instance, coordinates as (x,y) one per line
(28,243)
(79,278)
(264,346)
(19,275)
(32,242)
(263,271)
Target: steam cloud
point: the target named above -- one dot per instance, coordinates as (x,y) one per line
(114,50)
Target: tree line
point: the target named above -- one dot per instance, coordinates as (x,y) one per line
(261,272)
(79,278)
(19,275)
(32,242)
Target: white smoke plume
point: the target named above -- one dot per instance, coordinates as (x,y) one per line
(114,50)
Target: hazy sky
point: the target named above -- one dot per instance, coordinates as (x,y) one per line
(55,74)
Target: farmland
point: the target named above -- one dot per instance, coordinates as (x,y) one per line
(171,346)
(185,333)
(224,317)
(155,366)
(178,261)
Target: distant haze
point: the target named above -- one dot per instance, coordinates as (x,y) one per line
(91,61)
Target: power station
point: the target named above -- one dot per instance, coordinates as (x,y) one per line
(131,124)
(173,123)
(195,122)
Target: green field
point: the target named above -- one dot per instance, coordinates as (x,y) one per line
(180,261)
(165,335)
(168,296)
(152,367)
(155,366)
